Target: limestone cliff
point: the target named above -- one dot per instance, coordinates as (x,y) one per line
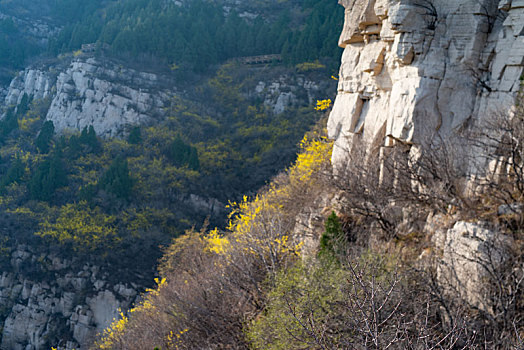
(413,70)
(88,91)
(61,304)
(416,71)
(91,92)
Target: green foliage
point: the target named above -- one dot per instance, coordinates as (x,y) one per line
(307,292)
(15,47)
(319,35)
(201,34)
(117,180)
(90,140)
(332,240)
(182,154)
(47,178)
(309,66)
(85,143)
(23,106)
(220,147)
(326,304)
(14,174)
(135,136)
(82,228)
(8,124)
(43,140)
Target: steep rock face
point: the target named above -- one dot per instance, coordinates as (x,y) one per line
(470,253)
(88,92)
(286,91)
(84,301)
(413,70)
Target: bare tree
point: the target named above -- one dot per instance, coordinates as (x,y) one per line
(430,15)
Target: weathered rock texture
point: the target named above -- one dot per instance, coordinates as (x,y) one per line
(65,304)
(289,90)
(413,70)
(472,257)
(88,92)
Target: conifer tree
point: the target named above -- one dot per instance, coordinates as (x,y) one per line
(14,174)
(135,136)
(43,140)
(48,177)
(116,179)
(88,137)
(332,241)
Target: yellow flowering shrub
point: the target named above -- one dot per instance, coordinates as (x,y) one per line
(259,226)
(315,153)
(322,105)
(115,333)
(309,66)
(217,243)
(81,226)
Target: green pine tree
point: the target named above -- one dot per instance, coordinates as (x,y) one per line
(48,177)
(332,240)
(43,140)
(135,136)
(116,179)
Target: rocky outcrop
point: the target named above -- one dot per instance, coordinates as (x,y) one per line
(89,92)
(472,258)
(414,70)
(67,308)
(37,29)
(289,90)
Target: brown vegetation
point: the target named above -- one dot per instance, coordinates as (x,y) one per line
(386,278)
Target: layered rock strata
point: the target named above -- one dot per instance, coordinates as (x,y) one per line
(89,92)
(414,70)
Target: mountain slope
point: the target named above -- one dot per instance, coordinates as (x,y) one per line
(109,153)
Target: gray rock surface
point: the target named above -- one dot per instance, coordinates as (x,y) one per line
(89,92)
(84,300)
(471,255)
(288,91)
(413,70)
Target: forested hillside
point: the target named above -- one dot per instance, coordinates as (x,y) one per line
(117,198)
(186,33)
(85,217)
(200,33)
(221,146)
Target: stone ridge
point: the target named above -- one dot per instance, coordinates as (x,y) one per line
(89,92)
(413,70)
(98,92)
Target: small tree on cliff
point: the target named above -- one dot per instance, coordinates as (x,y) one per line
(331,241)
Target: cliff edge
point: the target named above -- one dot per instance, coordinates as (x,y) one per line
(414,70)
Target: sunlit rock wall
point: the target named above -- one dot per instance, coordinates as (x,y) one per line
(413,70)
(91,92)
